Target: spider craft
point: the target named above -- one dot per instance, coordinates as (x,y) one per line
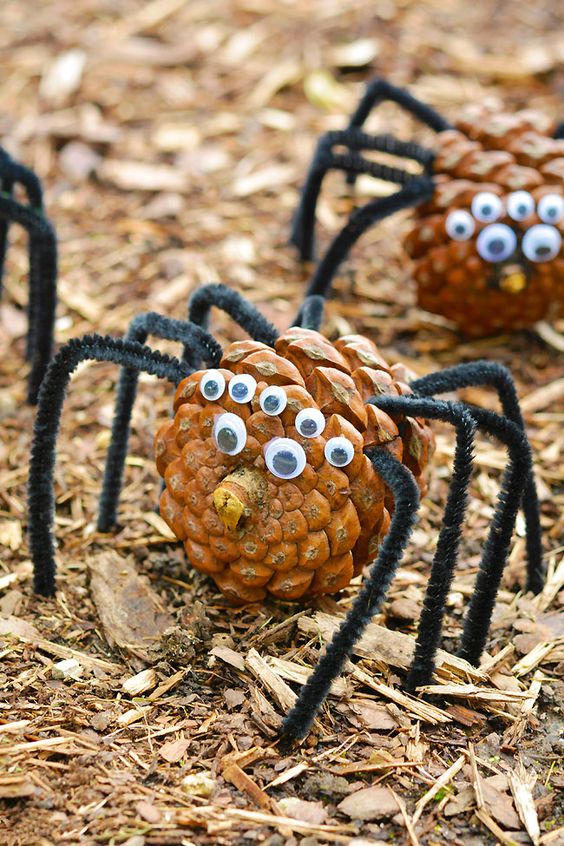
(42,262)
(486,242)
(291,462)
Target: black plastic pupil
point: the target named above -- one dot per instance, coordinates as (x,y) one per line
(487,210)
(522,209)
(239,390)
(308,426)
(285,462)
(497,246)
(460,228)
(271,403)
(339,456)
(542,250)
(227,439)
(211,388)
(551,212)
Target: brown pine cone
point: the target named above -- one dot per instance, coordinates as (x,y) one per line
(267,484)
(493,267)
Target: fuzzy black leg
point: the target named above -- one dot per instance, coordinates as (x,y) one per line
(236,306)
(43,286)
(139,329)
(41,500)
(406,498)
(351,161)
(7,186)
(498,377)
(311,313)
(496,548)
(419,189)
(448,543)
(380,90)
(43,304)
(19,174)
(12,173)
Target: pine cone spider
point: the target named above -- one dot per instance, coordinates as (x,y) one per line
(42,262)
(324,432)
(486,244)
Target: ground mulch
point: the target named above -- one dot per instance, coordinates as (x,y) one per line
(137,707)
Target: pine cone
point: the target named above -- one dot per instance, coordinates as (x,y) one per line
(241,518)
(465,279)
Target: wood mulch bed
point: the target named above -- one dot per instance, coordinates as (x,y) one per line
(137,707)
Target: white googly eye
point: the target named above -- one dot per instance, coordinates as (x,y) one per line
(339,451)
(496,242)
(285,458)
(310,422)
(541,242)
(486,207)
(460,225)
(242,388)
(551,208)
(229,433)
(520,205)
(273,401)
(212,385)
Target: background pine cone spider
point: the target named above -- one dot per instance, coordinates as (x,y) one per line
(486,242)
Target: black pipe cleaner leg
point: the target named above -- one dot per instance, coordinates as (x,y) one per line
(420,189)
(43,304)
(236,306)
(496,548)
(406,497)
(41,500)
(311,313)
(448,542)
(497,376)
(380,90)
(13,173)
(43,286)
(351,161)
(140,328)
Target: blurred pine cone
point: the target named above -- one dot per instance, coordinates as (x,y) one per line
(497,280)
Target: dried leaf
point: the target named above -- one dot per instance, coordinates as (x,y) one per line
(371,803)
(174,750)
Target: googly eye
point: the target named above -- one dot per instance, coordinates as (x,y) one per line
(242,388)
(551,208)
(520,205)
(310,422)
(541,242)
(496,242)
(212,385)
(273,401)
(460,225)
(486,207)
(285,458)
(229,433)
(339,451)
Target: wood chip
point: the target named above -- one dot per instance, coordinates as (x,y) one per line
(441,782)
(132,614)
(281,692)
(522,783)
(140,682)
